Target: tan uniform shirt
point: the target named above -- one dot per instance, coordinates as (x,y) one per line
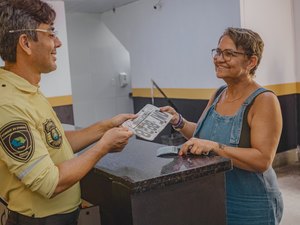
(32,143)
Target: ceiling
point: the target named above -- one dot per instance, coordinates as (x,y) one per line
(93,6)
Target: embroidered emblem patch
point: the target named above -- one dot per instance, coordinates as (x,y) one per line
(53,135)
(16,139)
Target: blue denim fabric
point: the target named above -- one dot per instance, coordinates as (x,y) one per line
(251,198)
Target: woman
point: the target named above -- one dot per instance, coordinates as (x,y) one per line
(242,122)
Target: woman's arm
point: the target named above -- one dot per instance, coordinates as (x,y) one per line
(188,127)
(265,121)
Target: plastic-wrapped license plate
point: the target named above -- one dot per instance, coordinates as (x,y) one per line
(149,123)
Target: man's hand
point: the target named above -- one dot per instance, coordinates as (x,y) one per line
(115,139)
(117,121)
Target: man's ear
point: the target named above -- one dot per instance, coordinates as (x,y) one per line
(25,44)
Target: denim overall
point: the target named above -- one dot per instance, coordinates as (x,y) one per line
(252,198)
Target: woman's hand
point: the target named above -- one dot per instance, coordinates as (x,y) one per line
(172,111)
(185,127)
(198,146)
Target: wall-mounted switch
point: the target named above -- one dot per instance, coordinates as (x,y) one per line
(123,78)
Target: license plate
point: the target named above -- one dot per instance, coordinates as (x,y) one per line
(149,123)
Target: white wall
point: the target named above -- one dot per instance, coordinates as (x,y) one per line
(273,20)
(58,83)
(97,58)
(296,23)
(172,44)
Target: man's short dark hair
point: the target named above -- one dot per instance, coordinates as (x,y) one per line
(21,14)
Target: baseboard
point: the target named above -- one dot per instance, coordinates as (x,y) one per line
(287,157)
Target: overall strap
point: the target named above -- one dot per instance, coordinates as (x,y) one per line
(240,121)
(219,94)
(205,113)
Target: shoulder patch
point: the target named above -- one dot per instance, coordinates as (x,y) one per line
(16,139)
(53,135)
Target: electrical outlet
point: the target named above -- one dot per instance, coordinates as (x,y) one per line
(123,78)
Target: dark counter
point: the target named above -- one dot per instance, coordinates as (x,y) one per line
(132,185)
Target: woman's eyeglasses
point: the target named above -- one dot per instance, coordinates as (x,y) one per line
(227,54)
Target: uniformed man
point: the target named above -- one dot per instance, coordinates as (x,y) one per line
(39,175)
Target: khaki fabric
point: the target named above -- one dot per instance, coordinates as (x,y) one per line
(32,143)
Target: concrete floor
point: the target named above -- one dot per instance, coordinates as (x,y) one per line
(289,182)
